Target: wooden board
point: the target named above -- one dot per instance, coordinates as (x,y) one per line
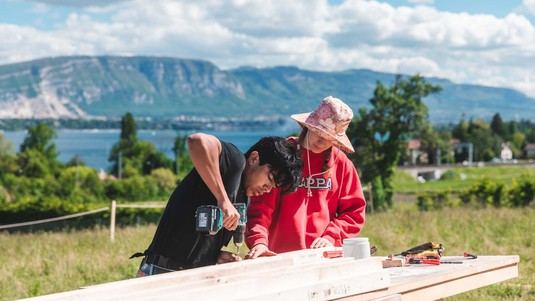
(301,273)
(306,275)
(429,282)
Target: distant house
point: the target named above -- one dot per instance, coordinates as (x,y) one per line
(506,153)
(416,155)
(529,150)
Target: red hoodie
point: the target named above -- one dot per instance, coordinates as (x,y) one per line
(335,210)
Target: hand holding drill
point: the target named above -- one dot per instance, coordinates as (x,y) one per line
(209,219)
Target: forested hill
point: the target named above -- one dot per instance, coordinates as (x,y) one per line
(84,86)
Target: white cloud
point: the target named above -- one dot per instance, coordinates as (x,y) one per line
(309,34)
(529,5)
(421,1)
(77,3)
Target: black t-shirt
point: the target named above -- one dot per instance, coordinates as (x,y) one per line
(176,236)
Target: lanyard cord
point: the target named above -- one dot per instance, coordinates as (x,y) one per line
(309,178)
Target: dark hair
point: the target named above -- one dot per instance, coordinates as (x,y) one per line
(284,159)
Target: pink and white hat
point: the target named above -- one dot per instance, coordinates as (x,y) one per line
(330,120)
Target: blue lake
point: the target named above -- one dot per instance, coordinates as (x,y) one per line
(93,146)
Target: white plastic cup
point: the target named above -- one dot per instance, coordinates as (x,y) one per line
(358,248)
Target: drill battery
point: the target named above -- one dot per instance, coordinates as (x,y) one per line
(209,219)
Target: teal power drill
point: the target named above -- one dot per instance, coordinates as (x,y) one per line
(209,220)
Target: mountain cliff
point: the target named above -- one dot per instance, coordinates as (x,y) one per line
(85,87)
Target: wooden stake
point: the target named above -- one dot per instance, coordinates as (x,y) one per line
(112,220)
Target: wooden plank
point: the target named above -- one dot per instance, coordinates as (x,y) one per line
(280,274)
(305,275)
(332,289)
(457,286)
(395,297)
(423,281)
(245,266)
(216,273)
(273,279)
(326,280)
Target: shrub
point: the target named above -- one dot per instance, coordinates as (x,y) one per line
(4,194)
(522,193)
(485,193)
(379,194)
(136,188)
(436,200)
(165,179)
(80,184)
(114,189)
(450,175)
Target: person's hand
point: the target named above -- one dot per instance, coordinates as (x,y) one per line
(321,242)
(258,251)
(225,257)
(230,215)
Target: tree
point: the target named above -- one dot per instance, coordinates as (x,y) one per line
(512,128)
(6,147)
(33,164)
(460,131)
(131,156)
(380,134)
(80,184)
(128,127)
(486,144)
(6,156)
(37,157)
(125,149)
(497,126)
(183,162)
(76,160)
(434,143)
(39,138)
(530,134)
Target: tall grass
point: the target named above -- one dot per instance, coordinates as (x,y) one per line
(49,262)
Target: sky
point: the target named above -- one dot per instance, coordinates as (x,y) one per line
(484,42)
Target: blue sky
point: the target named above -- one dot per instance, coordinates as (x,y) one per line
(487,42)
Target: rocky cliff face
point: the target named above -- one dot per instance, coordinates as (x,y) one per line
(77,87)
(83,87)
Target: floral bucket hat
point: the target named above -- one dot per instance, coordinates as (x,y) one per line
(330,120)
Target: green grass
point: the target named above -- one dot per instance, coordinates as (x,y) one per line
(404,183)
(49,262)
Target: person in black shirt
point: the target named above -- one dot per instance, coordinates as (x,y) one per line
(222,175)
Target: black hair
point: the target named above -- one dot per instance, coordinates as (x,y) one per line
(284,159)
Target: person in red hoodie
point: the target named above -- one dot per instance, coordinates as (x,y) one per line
(328,205)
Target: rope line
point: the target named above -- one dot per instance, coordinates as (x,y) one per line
(140,206)
(54,218)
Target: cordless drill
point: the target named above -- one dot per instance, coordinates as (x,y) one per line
(209,220)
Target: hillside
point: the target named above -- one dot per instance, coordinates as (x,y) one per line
(83,87)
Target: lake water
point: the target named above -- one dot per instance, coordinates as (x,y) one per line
(93,146)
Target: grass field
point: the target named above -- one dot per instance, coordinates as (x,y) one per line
(461,178)
(49,262)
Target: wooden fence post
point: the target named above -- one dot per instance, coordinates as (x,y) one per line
(112,220)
